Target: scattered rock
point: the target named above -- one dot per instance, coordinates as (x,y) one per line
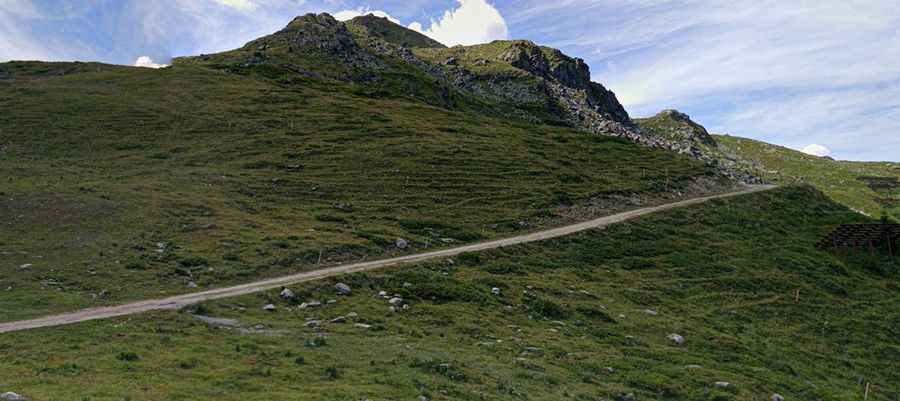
(610,370)
(382,294)
(407,285)
(722,384)
(624,397)
(352,315)
(331,301)
(339,319)
(402,243)
(192,284)
(777,397)
(344,207)
(286,294)
(25,266)
(313,304)
(395,301)
(313,323)
(693,367)
(651,312)
(269,307)
(451,61)
(676,339)
(362,326)
(532,351)
(495,291)
(343,289)
(10,396)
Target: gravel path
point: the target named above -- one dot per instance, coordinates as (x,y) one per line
(181,301)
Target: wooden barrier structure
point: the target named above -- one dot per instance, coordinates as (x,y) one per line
(871,236)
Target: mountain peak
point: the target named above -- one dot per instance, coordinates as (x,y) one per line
(675,125)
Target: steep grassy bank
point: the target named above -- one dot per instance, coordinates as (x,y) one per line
(726,276)
(123,183)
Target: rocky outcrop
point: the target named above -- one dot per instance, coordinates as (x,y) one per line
(675,131)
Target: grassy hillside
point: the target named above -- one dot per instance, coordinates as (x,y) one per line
(870,187)
(123,183)
(580,318)
(382,28)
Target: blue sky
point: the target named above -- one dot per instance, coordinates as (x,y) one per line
(795,73)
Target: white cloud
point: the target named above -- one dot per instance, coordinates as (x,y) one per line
(472,22)
(358,12)
(816,150)
(788,72)
(147,62)
(243,5)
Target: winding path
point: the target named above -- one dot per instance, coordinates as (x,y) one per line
(181,301)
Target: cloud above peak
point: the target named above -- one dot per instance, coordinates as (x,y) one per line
(817,150)
(243,5)
(346,15)
(471,22)
(147,62)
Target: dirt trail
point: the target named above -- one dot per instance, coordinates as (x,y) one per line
(181,301)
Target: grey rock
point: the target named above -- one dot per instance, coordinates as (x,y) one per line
(451,61)
(382,294)
(676,339)
(343,289)
(362,326)
(286,294)
(651,312)
(344,207)
(610,370)
(532,351)
(313,304)
(777,397)
(624,397)
(402,243)
(313,323)
(192,284)
(352,315)
(495,291)
(10,396)
(269,307)
(693,367)
(395,301)
(339,319)
(722,384)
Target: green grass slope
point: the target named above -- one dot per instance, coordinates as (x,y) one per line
(739,279)
(370,25)
(122,183)
(869,187)
(872,188)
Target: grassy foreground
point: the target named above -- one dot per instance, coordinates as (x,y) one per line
(125,183)
(758,307)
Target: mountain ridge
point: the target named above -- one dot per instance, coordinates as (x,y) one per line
(512,79)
